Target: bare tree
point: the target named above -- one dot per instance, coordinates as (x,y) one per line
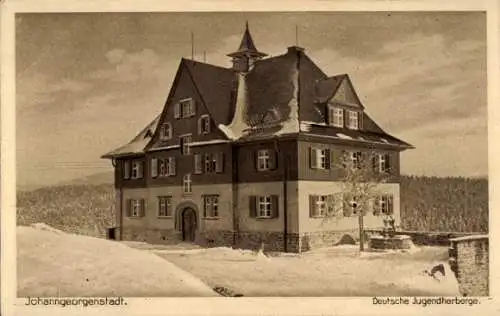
(361,173)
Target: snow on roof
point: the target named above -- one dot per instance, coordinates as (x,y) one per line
(466,238)
(137,144)
(227,131)
(209,142)
(343,136)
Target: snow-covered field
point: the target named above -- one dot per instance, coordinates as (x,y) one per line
(53,263)
(336,271)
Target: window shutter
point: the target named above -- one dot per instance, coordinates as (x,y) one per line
(275,206)
(197,164)
(205,206)
(256,160)
(346,206)
(376,206)
(390,205)
(345,114)
(177,110)
(126,169)
(360,120)
(209,125)
(154,167)
(313,157)
(172,166)
(327,159)
(375,162)
(387,165)
(193,106)
(200,125)
(273,154)
(252,206)
(312,205)
(142,212)
(219,162)
(141,170)
(128,207)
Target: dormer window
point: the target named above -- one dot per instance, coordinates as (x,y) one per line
(204,125)
(336,116)
(353,119)
(166,131)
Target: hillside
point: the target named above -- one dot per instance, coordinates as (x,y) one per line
(427,204)
(85,209)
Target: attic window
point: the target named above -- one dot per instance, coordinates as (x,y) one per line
(166,131)
(353,119)
(187,107)
(335,116)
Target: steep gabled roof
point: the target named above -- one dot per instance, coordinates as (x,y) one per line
(217,86)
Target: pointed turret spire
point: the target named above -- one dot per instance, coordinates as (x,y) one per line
(247,54)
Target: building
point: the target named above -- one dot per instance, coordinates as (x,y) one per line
(246,155)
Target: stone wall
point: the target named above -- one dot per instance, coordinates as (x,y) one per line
(273,241)
(469,260)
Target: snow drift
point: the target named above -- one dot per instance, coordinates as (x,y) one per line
(53,263)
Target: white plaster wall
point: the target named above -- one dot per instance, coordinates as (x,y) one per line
(308,224)
(151,220)
(246,223)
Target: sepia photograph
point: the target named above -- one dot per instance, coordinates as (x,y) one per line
(252,154)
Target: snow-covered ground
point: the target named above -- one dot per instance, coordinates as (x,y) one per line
(336,271)
(53,263)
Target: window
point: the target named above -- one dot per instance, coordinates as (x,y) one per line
(351,205)
(318,205)
(136,208)
(211,206)
(383,205)
(263,160)
(204,124)
(264,207)
(353,117)
(186,184)
(336,116)
(136,169)
(185,141)
(166,131)
(166,167)
(187,107)
(320,158)
(164,206)
(383,163)
(355,159)
(171,166)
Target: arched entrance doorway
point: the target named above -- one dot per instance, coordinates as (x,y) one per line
(188,224)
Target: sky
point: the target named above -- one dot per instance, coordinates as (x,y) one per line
(87,83)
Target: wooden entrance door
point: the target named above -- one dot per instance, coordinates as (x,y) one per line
(188,224)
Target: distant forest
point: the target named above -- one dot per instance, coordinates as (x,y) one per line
(427,204)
